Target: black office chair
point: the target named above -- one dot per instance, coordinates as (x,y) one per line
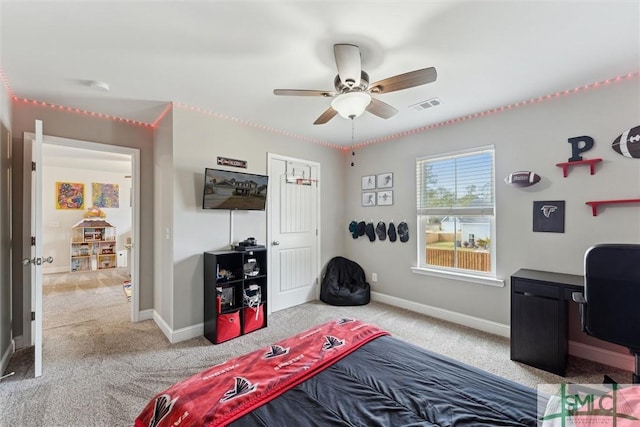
(610,306)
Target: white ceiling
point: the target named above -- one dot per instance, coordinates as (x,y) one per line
(228,56)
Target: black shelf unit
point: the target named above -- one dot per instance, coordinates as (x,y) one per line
(228,275)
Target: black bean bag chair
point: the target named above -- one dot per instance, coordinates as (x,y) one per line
(344,283)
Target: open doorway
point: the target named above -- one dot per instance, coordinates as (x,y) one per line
(79,301)
(88,235)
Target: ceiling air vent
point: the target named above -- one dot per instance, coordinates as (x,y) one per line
(429,103)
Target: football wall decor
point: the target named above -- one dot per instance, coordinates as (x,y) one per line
(628,144)
(522,178)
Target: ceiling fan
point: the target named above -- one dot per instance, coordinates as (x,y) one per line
(352,94)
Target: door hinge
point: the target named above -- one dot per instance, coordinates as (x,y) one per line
(33,166)
(33,240)
(33,315)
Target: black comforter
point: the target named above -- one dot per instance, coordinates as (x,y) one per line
(389,382)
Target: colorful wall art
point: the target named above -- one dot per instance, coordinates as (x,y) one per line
(105,195)
(69,195)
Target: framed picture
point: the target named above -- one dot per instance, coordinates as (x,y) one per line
(384,180)
(385,198)
(69,195)
(368,182)
(548,216)
(106,195)
(369,198)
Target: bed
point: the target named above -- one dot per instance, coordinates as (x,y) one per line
(342,373)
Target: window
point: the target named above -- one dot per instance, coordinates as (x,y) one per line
(456,208)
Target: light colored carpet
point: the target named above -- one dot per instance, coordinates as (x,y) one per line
(99,369)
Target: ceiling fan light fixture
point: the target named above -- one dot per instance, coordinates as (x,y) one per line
(351,104)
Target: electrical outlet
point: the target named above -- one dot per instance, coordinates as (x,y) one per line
(374,277)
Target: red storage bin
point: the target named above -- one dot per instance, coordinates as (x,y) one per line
(253,318)
(228,326)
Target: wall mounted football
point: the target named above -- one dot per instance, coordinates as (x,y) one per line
(522,178)
(628,144)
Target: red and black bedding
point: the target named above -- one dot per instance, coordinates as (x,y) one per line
(342,373)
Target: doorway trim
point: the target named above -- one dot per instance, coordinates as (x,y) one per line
(135,208)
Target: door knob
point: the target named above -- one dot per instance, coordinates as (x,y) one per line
(37,261)
(275,243)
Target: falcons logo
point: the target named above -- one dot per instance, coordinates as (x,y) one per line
(275,351)
(241,387)
(331,342)
(162,407)
(344,320)
(547,210)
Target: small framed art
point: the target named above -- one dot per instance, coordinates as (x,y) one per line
(548,216)
(369,198)
(368,182)
(384,180)
(385,198)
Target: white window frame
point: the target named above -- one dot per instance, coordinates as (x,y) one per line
(486,278)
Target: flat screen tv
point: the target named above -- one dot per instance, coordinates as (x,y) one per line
(234,190)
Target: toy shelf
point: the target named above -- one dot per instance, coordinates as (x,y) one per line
(590,162)
(594,204)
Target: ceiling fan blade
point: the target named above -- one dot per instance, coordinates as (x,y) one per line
(405,81)
(329,114)
(303,92)
(348,63)
(381,109)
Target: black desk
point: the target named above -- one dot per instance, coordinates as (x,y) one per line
(539,322)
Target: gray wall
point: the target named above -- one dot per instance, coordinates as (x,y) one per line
(163,218)
(198,140)
(5,225)
(81,127)
(526,138)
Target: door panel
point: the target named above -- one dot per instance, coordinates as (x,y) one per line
(293,231)
(33,259)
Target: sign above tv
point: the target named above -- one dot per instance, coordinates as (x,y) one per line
(225,161)
(234,190)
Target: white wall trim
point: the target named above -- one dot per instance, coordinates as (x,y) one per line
(18,342)
(164,326)
(584,351)
(601,355)
(448,315)
(134,154)
(187,333)
(4,362)
(146,315)
(53,270)
(178,335)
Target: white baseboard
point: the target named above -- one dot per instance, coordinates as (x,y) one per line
(448,315)
(178,335)
(145,315)
(4,362)
(187,333)
(601,355)
(584,351)
(52,270)
(18,342)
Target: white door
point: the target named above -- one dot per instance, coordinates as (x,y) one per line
(293,231)
(33,258)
